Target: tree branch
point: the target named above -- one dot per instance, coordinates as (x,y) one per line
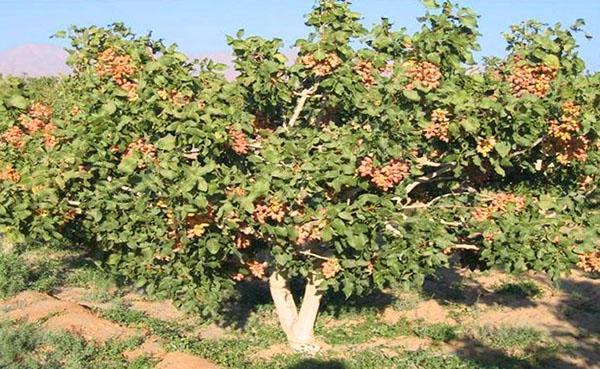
(435,176)
(309,253)
(421,205)
(460,246)
(537,142)
(304,95)
(464,246)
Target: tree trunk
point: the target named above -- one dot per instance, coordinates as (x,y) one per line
(298,326)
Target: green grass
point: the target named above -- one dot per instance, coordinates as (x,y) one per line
(363,331)
(26,346)
(520,290)
(124,316)
(507,337)
(90,276)
(17,275)
(440,332)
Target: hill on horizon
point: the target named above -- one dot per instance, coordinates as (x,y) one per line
(39,60)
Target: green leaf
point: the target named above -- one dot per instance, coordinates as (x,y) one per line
(345,215)
(113,259)
(546,202)
(434,58)
(166,143)
(411,95)
(551,61)
(470,125)
(213,246)
(469,21)
(108,108)
(498,169)
(17,101)
(348,289)
(201,201)
(152,66)
(129,164)
(202,184)
(502,148)
(430,4)
(247,204)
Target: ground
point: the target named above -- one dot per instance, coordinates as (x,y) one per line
(59,310)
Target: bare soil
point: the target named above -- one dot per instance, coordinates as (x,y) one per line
(569,315)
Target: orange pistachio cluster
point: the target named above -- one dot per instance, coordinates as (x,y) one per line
(311,231)
(176,98)
(423,74)
(9,174)
(242,241)
(438,127)
(534,79)
(590,262)
(365,71)
(37,119)
(330,268)
(238,141)
(564,140)
(497,204)
(120,68)
(141,146)
(273,210)
(257,269)
(14,136)
(321,67)
(196,224)
(385,177)
(486,145)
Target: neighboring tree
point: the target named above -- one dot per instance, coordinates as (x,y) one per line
(366,162)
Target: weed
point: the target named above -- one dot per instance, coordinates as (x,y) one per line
(507,337)
(26,346)
(440,332)
(122,315)
(90,276)
(521,289)
(363,332)
(17,275)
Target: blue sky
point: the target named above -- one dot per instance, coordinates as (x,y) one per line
(200,26)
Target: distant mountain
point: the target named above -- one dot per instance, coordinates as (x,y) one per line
(34,60)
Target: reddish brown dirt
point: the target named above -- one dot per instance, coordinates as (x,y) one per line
(88,326)
(210,332)
(75,318)
(150,348)
(182,360)
(164,310)
(557,312)
(32,306)
(408,343)
(271,351)
(63,315)
(80,296)
(385,345)
(429,311)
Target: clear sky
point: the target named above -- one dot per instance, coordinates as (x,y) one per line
(200,26)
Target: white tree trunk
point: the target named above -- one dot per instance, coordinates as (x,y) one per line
(298,326)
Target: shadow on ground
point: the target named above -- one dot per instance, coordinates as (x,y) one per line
(318,364)
(251,296)
(574,303)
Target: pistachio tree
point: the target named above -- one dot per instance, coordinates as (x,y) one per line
(367,161)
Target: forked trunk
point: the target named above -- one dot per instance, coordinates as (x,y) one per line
(297,325)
